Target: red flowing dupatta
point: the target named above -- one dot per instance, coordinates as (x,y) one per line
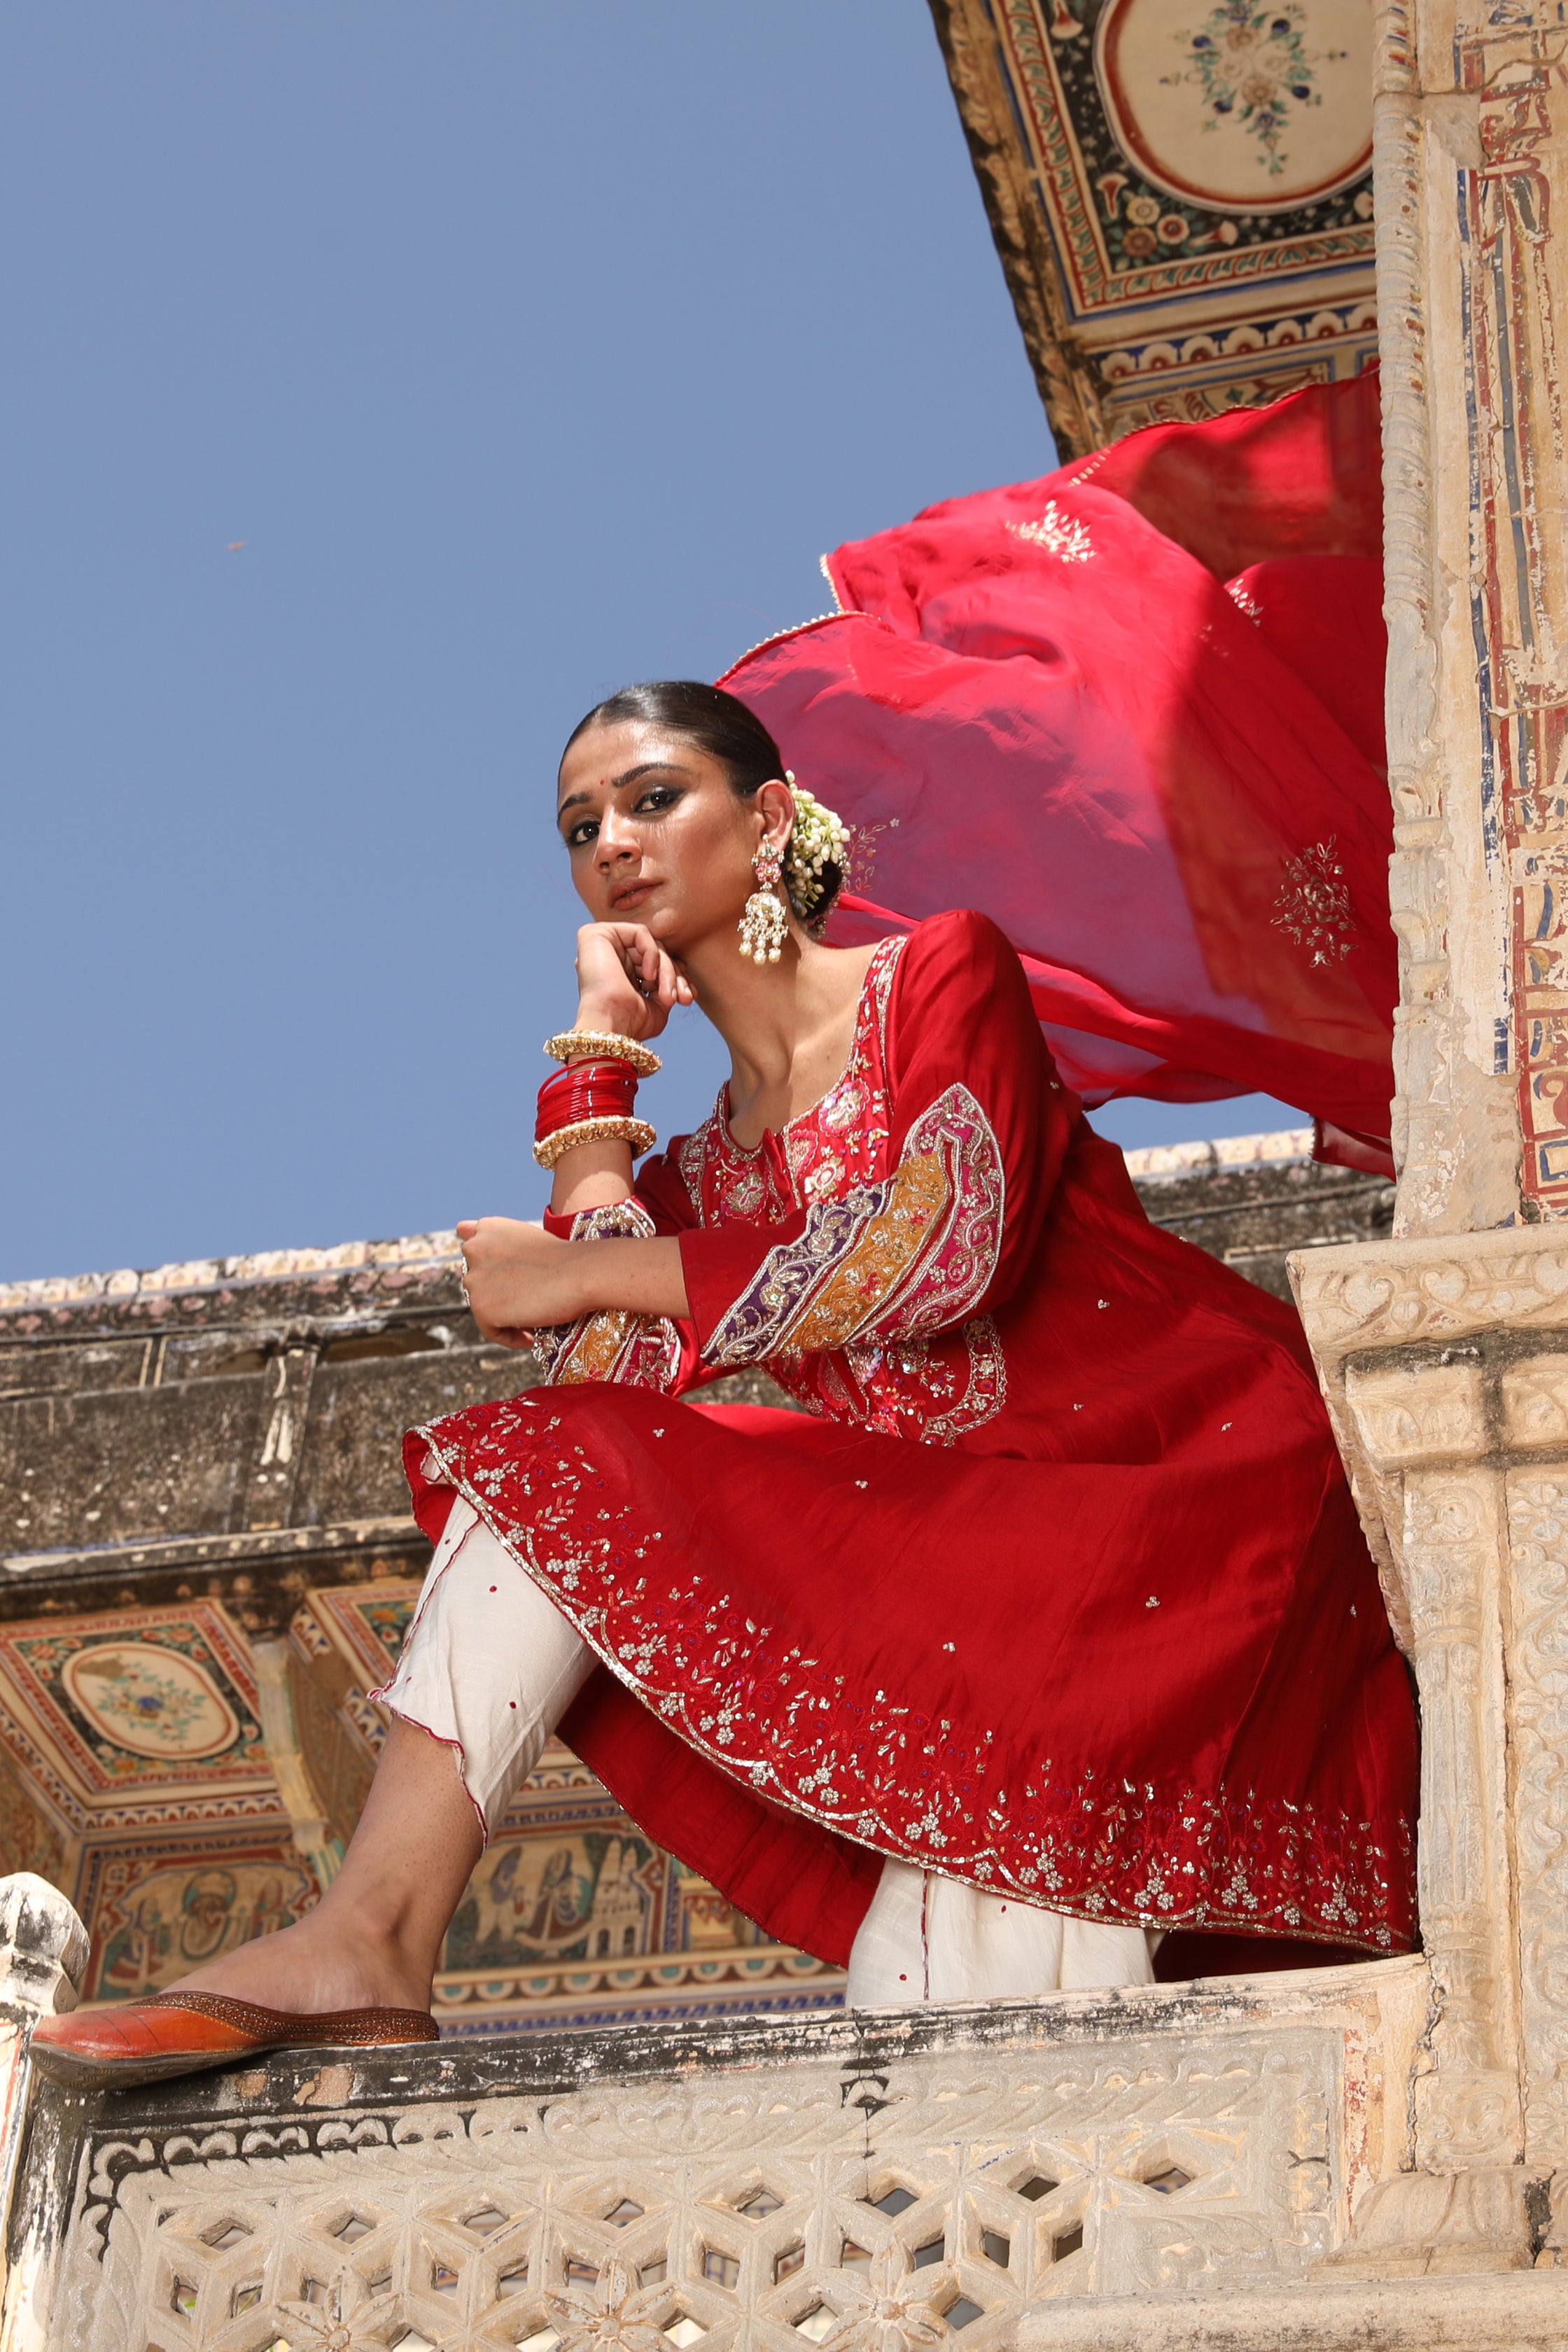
(1133,711)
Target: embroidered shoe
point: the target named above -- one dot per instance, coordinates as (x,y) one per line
(180,2033)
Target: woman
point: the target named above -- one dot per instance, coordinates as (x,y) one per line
(1047,1629)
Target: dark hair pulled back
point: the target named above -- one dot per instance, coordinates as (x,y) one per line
(718,723)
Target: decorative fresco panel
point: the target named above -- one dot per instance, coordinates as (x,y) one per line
(549,1895)
(28,1839)
(1180,191)
(1515,75)
(368,1622)
(1245,111)
(139,1698)
(155,1911)
(574,1916)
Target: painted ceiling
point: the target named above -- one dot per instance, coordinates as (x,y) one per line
(1179,193)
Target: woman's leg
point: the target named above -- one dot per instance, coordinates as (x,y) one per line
(374,1939)
(487,1670)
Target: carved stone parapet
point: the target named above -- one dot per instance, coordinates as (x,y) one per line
(1445,1364)
(1435,2312)
(874,2182)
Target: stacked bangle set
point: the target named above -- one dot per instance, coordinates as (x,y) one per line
(592,1098)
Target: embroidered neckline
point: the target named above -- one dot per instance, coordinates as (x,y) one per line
(885,953)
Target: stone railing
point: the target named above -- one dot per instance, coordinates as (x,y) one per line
(1005,2175)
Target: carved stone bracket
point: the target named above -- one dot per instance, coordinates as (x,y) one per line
(1445,1363)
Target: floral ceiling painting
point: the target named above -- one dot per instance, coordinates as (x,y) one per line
(128,1700)
(1179,193)
(1244,110)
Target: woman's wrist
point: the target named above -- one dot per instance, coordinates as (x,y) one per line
(627,1275)
(602,1020)
(591,1176)
(574,1277)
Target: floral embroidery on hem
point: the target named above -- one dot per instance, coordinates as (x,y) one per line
(883,1773)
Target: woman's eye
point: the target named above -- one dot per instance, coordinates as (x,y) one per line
(657,798)
(580,834)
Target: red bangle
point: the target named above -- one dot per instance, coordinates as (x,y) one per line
(589,1102)
(603,1089)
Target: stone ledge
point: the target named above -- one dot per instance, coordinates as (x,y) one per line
(1281,1144)
(879,2168)
(419,1250)
(548,2065)
(1511,2312)
(1396,1293)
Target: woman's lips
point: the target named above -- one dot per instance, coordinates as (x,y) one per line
(631,897)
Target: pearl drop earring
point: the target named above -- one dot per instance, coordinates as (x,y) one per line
(765,925)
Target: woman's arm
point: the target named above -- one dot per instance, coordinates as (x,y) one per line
(596,1301)
(626,987)
(522,1278)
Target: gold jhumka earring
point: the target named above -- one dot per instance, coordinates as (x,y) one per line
(765,925)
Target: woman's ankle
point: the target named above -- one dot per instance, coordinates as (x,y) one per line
(310,1968)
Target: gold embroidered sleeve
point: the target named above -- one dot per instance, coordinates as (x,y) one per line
(638,1351)
(906,1256)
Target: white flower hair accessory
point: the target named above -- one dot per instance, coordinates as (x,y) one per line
(820,837)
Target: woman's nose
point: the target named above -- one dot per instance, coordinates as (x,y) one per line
(617,840)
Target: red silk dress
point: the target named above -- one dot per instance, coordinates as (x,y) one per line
(1055,1588)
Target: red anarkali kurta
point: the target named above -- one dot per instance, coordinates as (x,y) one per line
(1059,1591)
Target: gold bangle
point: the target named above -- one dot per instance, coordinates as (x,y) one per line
(635,1131)
(573,1045)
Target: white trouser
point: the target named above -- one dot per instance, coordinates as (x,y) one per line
(491,1666)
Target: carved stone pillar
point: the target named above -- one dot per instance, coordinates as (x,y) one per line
(43,1955)
(1444,1353)
(1444,1361)
(1472,156)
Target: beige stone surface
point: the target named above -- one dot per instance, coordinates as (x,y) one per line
(1506,2314)
(938,2177)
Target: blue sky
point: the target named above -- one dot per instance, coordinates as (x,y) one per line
(387,383)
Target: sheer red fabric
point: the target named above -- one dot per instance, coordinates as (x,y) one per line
(1133,712)
(1056,1587)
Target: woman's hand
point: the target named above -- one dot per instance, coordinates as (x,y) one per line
(518,1278)
(627,982)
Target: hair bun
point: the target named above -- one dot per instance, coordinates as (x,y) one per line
(818,854)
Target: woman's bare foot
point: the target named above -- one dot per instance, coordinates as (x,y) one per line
(311,1967)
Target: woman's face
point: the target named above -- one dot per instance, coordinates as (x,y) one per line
(657,836)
